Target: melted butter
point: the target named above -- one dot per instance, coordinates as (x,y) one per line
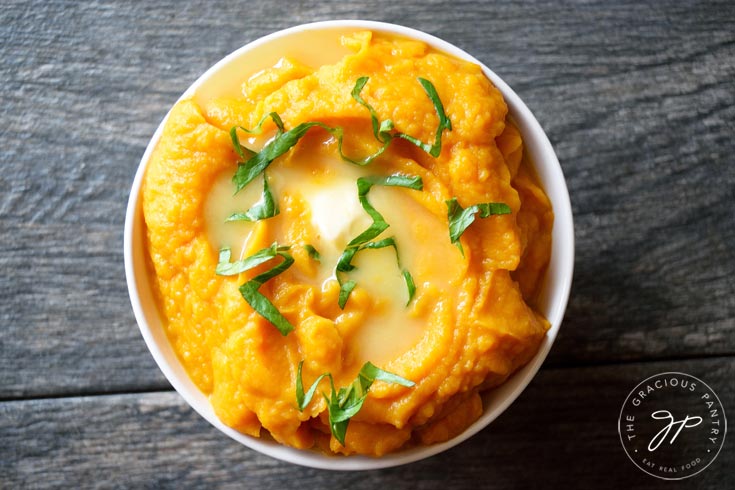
(221,204)
(423,240)
(389,331)
(386,335)
(329,186)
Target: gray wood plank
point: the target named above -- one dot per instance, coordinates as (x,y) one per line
(638,99)
(562,432)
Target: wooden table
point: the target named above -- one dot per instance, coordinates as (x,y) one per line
(638,100)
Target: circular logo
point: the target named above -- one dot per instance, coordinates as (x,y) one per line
(672,426)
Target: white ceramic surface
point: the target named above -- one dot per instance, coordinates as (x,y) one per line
(304,42)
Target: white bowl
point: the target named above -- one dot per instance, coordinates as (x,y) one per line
(307,40)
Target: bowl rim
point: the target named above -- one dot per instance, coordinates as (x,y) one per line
(563,232)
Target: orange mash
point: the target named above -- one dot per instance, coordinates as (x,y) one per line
(471,322)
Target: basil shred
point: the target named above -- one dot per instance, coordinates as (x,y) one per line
(250,290)
(266,208)
(313,253)
(363,240)
(342,405)
(460,218)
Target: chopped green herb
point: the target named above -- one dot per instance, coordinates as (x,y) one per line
(227,268)
(345,403)
(255,163)
(444,123)
(409,283)
(364,184)
(266,208)
(313,253)
(280,144)
(345,289)
(303,400)
(460,219)
(362,241)
(241,150)
(381,130)
(250,290)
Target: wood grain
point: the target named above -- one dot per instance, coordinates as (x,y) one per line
(638,100)
(561,433)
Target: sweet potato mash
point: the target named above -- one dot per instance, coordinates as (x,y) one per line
(469,321)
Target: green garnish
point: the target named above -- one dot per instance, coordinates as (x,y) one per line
(313,253)
(364,184)
(345,289)
(444,123)
(381,130)
(227,268)
(256,163)
(250,290)
(460,219)
(243,151)
(363,240)
(410,285)
(345,403)
(266,208)
(303,400)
